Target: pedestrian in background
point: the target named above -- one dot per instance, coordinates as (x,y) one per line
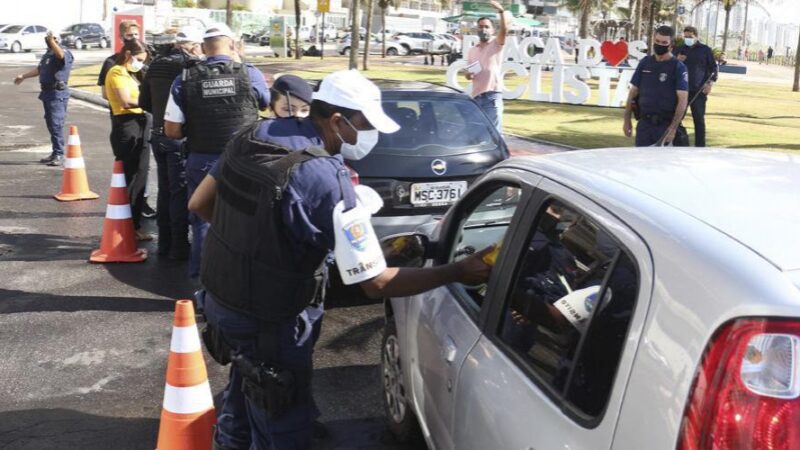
(659,90)
(129,125)
(485,61)
(173,225)
(703,72)
(770,52)
(208,104)
(53,72)
(128,31)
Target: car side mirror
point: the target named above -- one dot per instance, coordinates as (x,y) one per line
(406,250)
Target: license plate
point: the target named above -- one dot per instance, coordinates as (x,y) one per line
(437,194)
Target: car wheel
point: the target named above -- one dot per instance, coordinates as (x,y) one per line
(400,418)
(408,49)
(391,51)
(103,43)
(78,44)
(16,47)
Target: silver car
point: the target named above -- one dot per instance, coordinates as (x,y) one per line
(641,299)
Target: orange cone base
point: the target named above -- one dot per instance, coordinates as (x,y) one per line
(73,197)
(99,257)
(186,431)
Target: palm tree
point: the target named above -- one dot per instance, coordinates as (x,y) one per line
(796,86)
(229,12)
(368,35)
(727,5)
(384,5)
(298,51)
(584,9)
(354,35)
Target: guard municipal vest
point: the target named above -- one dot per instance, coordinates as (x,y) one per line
(249,262)
(162,73)
(218,102)
(657,93)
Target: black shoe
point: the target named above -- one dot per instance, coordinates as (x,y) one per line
(147,211)
(50,158)
(57,161)
(319,430)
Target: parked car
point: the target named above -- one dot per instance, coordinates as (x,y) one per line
(3,26)
(441,44)
(375,46)
(414,42)
(82,35)
(444,143)
(254,34)
(263,40)
(641,299)
(18,38)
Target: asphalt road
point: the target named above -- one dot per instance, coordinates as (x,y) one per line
(85,346)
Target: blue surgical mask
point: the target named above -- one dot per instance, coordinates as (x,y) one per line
(689,41)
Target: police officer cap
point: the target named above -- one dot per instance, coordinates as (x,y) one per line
(295,86)
(218,29)
(349,89)
(188,34)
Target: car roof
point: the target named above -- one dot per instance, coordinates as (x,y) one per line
(751,196)
(409,86)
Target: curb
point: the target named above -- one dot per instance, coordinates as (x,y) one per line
(94,99)
(542,141)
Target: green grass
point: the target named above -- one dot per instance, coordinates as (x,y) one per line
(738,114)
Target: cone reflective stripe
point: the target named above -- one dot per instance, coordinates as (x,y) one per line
(74,183)
(118,243)
(187,415)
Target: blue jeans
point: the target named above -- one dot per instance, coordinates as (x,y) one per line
(197,167)
(173,220)
(55,113)
(244,424)
(491,103)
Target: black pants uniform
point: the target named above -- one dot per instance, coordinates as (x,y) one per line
(129,144)
(698,107)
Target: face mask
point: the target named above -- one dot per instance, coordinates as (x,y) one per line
(365,142)
(484,36)
(688,41)
(660,49)
(135,65)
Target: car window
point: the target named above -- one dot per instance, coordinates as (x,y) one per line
(433,124)
(29,29)
(485,224)
(13,29)
(568,312)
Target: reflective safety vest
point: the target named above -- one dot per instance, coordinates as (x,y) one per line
(249,260)
(218,102)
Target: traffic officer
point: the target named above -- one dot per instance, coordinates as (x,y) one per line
(208,104)
(53,72)
(703,72)
(286,207)
(659,91)
(173,226)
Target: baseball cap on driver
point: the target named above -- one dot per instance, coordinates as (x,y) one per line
(349,89)
(218,29)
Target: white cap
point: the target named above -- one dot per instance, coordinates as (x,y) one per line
(218,29)
(188,34)
(349,89)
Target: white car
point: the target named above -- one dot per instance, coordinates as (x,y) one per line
(17,38)
(641,299)
(414,42)
(375,46)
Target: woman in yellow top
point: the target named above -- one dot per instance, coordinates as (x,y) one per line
(129,124)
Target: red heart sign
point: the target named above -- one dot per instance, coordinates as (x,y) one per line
(614,53)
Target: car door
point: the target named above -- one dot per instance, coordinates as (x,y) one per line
(41,33)
(559,341)
(28,37)
(443,324)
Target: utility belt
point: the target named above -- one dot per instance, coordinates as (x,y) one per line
(57,86)
(657,119)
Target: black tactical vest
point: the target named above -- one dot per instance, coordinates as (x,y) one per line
(249,264)
(162,73)
(657,95)
(218,102)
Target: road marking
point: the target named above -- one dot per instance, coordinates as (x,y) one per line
(86,104)
(40,149)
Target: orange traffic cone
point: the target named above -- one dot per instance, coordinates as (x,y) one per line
(74,184)
(118,243)
(187,415)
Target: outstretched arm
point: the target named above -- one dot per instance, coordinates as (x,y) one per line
(501,12)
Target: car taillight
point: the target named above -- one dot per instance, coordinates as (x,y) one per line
(746,392)
(353,176)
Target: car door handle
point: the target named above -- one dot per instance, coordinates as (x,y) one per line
(449,350)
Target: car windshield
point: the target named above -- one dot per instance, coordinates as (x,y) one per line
(13,29)
(435,124)
(73,28)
